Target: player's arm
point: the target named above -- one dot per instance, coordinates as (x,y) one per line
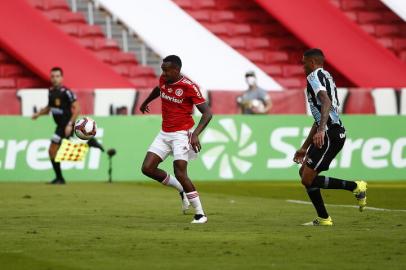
(144,108)
(75,108)
(301,152)
(204,120)
(43,111)
(318,138)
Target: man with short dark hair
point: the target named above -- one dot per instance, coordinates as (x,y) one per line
(65,109)
(325,140)
(254,100)
(178,95)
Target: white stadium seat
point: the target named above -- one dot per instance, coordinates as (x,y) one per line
(385,101)
(403,101)
(107,99)
(32,100)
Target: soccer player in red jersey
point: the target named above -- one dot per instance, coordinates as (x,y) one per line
(177,137)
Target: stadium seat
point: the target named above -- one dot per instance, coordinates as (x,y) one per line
(92,37)
(342,94)
(7,83)
(255,34)
(10,70)
(403,101)
(224,102)
(359,101)
(154,106)
(32,100)
(106,101)
(385,101)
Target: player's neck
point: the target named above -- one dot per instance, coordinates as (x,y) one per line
(177,79)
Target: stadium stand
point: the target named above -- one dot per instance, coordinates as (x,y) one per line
(207,60)
(316,31)
(92,38)
(249,29)
(375,18)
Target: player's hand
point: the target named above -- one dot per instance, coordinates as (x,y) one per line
(144,108)
(299,156)
(195,143)
(34,116)
(68,129)
(318,138)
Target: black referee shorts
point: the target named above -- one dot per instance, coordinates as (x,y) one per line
(319,159)
(60,134)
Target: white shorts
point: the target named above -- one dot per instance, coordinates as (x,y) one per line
(173,143)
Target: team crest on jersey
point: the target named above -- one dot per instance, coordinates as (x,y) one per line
(179,92)
(57,102)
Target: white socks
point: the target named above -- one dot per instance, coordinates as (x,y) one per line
(194,200)
(173,182)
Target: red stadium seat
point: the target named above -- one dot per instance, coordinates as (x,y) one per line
(7,83)
(26,82)
(359,101)
(10,70)
(155,106)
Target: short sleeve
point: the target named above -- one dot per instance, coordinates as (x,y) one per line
(263,95)
(196,95)
(316,81)
(71,96)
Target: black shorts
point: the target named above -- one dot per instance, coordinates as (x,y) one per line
(60,134)
(319,159)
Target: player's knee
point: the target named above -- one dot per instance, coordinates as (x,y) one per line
(147,170)
(306,180)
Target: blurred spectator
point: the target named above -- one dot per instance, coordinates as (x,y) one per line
(255,100)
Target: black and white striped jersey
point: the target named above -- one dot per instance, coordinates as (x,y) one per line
(321,80)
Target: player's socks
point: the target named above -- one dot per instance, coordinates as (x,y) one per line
(194,200)
(172,182)
(317,200)
(94,143)
(326,182)
(57,169)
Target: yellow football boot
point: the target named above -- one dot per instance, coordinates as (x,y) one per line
(360,193)
(320,222)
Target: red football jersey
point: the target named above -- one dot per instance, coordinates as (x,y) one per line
(178,99)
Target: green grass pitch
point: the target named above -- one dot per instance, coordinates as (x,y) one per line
(251,226)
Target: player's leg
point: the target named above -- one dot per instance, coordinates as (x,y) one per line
(307,175)
(180,169)
(94,143)
(336,140)
(53,149)
(181,153)
(150,169)
(157,152)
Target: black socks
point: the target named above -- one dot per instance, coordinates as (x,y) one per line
(326,182)
(57,169)
(94,143)
(317,200)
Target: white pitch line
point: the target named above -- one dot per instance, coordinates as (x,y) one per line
(350,206)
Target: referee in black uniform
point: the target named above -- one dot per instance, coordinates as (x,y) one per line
(325,140)
(65,109)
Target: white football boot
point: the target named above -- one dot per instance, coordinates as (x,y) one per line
(199,219)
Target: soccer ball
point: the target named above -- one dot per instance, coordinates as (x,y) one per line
(85,128)
(257,106)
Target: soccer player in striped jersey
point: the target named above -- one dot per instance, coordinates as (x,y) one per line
(325,140)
